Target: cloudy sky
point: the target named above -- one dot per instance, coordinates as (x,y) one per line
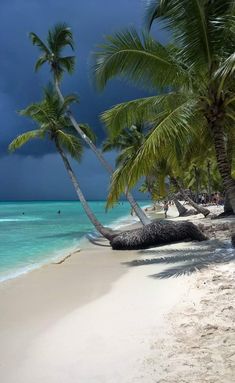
(36,171)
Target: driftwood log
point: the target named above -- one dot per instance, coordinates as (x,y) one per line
(157,233)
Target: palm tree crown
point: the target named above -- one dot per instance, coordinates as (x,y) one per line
(58,38)
(52,123)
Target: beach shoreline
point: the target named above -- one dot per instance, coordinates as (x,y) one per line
(57,255)
(96,317)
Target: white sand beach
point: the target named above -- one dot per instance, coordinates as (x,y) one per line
(103,316)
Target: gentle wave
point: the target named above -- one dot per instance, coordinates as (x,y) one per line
(22,247)
(25,219)
(52,257)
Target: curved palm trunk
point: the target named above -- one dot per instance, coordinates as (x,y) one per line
(105,232)
(223,163)
(198,208)
(139,212)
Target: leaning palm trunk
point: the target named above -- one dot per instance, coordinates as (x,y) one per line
(181,209)
(139,212)
(198,208)
(105,232)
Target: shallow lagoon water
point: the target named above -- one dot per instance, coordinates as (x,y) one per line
(33,233)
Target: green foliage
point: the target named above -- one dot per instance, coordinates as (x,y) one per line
(195,73)
(88,132)
(199,27)
(52,123)
(144,61)
(58,39)
(128,142)
(70,143)
(24,138)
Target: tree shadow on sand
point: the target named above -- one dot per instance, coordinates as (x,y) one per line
(189,260)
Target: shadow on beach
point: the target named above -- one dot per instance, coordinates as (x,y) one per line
(185,261)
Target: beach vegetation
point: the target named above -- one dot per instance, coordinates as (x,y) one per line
(193,81)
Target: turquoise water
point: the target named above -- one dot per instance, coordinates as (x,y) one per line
(41,234)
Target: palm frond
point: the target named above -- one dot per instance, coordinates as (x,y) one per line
(109,145)
(125,155)
(143,61)
(170,132)
(198,26)
(42,113)
(42,60)
(70,143)
(227,68)
(88,132)
(139,111)
(67,63)
(70,99)
(24,138)
(59,37)
(39,43)
(132,136)
(154,10)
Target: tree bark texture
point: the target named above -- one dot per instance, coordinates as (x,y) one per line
(157,233)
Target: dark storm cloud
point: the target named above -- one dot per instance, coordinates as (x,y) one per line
(19,85)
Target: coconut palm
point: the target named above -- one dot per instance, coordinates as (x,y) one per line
(57,40)
(166,164)
(127,143)
(53,124)
(195,74)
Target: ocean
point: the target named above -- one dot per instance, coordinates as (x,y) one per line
(33,233)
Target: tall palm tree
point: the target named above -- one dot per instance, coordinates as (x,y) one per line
(195,74)
(52,124)
(59,38)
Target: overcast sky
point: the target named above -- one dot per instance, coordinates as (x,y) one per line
(36,171)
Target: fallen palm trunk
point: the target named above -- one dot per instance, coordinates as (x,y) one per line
(183,212)
(157,233)
(199,209)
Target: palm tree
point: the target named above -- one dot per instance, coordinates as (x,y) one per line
(58,39)
(53,124)
(129,141)
(195,74)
